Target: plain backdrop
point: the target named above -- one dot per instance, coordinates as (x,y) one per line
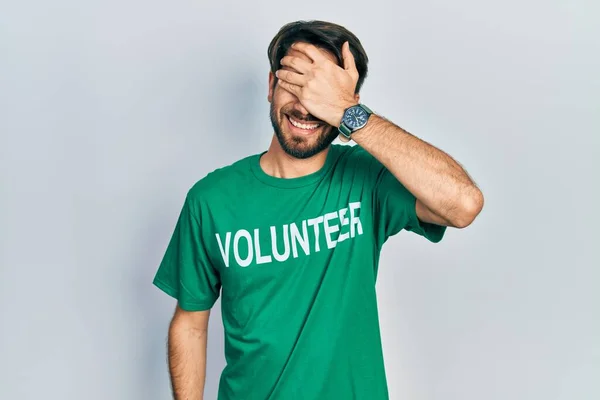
(110,111)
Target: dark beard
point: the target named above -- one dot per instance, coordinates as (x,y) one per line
(293,146)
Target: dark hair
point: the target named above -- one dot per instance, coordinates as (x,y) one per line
(325,35)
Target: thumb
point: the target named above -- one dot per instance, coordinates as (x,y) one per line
(348,58)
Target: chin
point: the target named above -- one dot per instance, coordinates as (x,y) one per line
(302,147)
(298,143)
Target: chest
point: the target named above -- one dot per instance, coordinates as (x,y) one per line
(281,227)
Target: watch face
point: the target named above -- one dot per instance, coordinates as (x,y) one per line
(355,117)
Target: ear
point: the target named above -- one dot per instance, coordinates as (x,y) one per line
(271,86)
(357,97)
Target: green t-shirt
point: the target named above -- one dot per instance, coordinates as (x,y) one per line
(295,262)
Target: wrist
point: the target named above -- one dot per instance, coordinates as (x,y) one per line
(369,131)
(339,113)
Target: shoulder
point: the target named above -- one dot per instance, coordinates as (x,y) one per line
(217,184)
(354,152)
(355,157)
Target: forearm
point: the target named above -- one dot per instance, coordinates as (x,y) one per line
(431,175)
(187,360)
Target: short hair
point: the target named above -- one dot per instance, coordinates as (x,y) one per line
(325,35)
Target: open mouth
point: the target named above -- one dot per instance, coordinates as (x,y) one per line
(303,127)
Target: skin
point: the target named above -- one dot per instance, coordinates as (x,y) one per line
(310,86)
(187,343)
(282,161)
(445,193)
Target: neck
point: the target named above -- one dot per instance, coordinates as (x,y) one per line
(279,164)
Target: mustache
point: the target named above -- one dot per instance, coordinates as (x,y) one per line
(305,118)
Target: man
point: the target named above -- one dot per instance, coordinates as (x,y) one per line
(290,238)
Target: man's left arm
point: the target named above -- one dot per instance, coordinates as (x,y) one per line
(445,193)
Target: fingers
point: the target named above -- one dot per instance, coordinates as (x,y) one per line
(311,51)
(297,64)
(291,77)
(348,58)
(290,87)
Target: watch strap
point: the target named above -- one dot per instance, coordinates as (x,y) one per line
(364,107)
(344,130)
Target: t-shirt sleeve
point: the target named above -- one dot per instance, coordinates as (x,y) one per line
(185,271)
(395,209)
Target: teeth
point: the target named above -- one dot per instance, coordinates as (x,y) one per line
(303,126)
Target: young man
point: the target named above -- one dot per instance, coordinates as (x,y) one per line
(290,238)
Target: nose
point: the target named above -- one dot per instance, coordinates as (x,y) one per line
(300,108)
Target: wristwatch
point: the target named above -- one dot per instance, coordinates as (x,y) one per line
(355,118)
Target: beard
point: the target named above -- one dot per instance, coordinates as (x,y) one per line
(298,146)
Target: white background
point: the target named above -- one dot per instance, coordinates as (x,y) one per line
(110,111)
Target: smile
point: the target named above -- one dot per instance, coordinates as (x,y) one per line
(303,126)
